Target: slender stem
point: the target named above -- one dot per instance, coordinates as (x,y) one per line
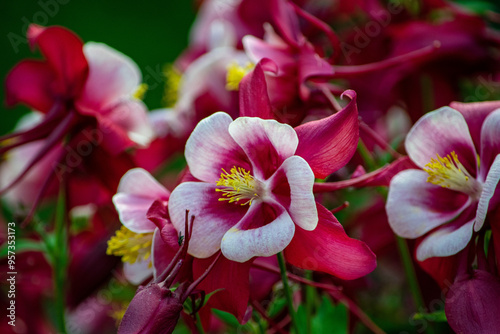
(288,292)
(199,326)
(366,155)
(310,298)
(60,260)
(410,273)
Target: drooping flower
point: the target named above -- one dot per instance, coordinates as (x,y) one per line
(80,89)
(450,196)
(254,195)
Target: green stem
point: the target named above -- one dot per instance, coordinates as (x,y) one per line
(366,156)
(310,298)
(199,326)
(288,292)
(60,260)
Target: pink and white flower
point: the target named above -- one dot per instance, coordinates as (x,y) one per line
(253,195)
(450,196)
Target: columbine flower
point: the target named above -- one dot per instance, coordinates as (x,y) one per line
(254,196)
(451,195)
(137,191)
(79,88)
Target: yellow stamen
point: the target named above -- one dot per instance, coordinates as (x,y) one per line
(237,185)
(130,246)
(141,91)
(119,311)
(235,74)
(173,78)
(448,172)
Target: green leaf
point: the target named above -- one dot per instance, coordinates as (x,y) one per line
(22,245)
(437,316)
(330,319)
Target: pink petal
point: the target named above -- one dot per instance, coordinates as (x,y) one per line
(414,206)
(210,148)
(29,83)
(213,218)
(266,143)
(292,186)
(254,100)
(245,240)
(112,77)
(490,142)
(137,272)
(136,192)
(472,304)
(489,189)
(328,144)
(329,249)
(229,276)
(446,241)
(64,53)
(441,132)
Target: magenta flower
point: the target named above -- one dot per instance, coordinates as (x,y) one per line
(254,195)
(450,197)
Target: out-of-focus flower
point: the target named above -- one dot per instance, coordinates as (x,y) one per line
(80,89)
(254,195)
(450,197)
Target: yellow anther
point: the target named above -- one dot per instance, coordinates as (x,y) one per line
(141,91)
(130,246)
(173,78)
(235,74)
(237,185)
(448,172)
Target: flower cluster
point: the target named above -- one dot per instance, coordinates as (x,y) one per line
(300,144)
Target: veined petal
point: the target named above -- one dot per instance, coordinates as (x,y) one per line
(292,186)
(415,206)
(490,142)
(112,77)
(254,99)
(330,250)
(267,143)
(245,240)
(446,241)
(213,218)
(441,132)
(329,143)
(489,189)
(210,148)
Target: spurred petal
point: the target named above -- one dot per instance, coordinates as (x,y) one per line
(266,143)
(245,240)
(414,206)
(490,142)
(328,144)
(292,186)
(112,77)
(213,218)
(29,83)
(329,249)
(210,148)
(441,132)
(446,241)
(472,304)
(64,53)
(136,192)
(229,276)
(489,188)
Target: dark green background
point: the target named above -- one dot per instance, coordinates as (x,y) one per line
(152,33)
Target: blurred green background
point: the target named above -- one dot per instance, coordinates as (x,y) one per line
(151,33)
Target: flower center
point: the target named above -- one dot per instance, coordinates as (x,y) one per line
(448,172)
(130,246)
(237,185)
(235,74)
